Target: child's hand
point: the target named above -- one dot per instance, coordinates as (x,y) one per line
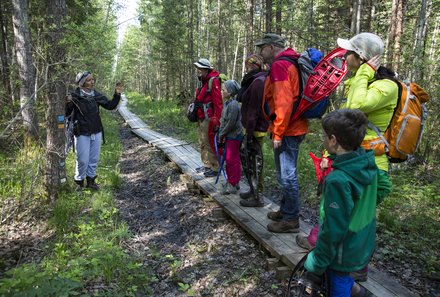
(324,164)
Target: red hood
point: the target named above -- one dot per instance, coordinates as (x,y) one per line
(210,74)
(289,52)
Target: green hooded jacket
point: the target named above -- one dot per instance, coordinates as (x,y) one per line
(347,233)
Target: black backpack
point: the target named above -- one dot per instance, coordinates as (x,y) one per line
(193,107)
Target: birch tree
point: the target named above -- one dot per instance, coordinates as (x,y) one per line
(23,51)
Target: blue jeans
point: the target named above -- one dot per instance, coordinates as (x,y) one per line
(88,149)
(340,285)
(286,158)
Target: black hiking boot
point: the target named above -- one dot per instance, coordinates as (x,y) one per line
(252,202)
(91,184)
(246,195)
(210,173)
(79,184)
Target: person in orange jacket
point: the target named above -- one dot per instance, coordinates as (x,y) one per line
(281,93)
(210,97)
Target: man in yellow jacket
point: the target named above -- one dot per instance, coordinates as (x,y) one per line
(281,93)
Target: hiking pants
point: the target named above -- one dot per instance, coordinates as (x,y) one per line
(88,149)
(340,284)
(286,158)
(233,162)
(260,185)
(207,154)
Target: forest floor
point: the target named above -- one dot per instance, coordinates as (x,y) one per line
(185,246)
(188,250)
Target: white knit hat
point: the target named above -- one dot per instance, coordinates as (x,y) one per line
(81,77)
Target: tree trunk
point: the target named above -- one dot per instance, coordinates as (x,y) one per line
(268,16)
(249,31)
(220,37)
(278,13)
(419,40)
(5,70)
(190,58)
(56,92)
(394,35)
(23,45)
(353,17)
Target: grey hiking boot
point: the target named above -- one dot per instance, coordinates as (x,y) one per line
(287,226)
(275,215)
(229,189)
(252,202)
(303,242)
(91,184)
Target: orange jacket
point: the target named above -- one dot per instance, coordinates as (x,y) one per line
(281,93)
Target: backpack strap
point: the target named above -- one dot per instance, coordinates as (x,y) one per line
(296,64)
(208,91)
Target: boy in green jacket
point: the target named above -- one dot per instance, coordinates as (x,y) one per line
(347,233)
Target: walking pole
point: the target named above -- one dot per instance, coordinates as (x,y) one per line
(221,159)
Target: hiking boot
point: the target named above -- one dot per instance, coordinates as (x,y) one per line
(246,195)
(229,189)
(287,226)
(210,173)
(91,184)
(79,184)
(275,215)
(252,202)
(360,275)
(303,242)
(202,169)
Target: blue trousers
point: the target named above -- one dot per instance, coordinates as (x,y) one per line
(340,286)
(88,149)
(286,158)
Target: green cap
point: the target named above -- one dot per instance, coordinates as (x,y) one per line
(271,38)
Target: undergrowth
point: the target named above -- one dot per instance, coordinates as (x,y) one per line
(85,257)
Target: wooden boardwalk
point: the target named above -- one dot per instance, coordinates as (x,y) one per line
(253,220)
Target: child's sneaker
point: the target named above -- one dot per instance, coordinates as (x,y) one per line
(303,242)
(229,189)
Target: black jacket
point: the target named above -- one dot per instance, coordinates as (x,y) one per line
(87,111)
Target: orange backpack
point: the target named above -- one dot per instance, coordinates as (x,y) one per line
(405,130)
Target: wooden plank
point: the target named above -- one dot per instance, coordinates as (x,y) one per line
(388,282)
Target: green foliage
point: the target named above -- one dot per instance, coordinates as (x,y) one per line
(86,250)
(409,218)
(20,173)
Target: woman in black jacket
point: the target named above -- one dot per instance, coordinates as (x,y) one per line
(84,102)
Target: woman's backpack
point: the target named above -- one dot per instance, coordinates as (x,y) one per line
(191,112)
(405,130)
